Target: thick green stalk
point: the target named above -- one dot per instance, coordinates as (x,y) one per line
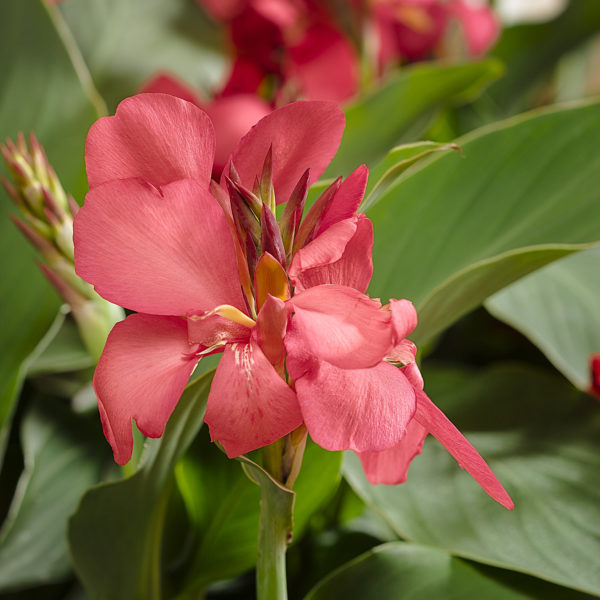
(274,534)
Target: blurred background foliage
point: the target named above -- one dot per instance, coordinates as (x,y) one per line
(504,349)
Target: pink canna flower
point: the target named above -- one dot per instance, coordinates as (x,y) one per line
(232,115)
(208,268)
(595,374)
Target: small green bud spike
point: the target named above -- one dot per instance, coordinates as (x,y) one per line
(267,191)
(47,223)
(292,213)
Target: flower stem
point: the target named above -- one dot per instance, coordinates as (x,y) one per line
(275,528)
(273,537)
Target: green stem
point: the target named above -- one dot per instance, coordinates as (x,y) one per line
(273,537)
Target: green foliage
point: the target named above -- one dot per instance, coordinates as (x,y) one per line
(124,42)
(401,109)
(116,534)
(541,439)
(63,457)
(399,570)
(557,309)
(41,92)
(458,228)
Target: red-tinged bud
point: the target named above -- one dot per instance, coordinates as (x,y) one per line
(73,206)
(36,239)
(292,213)
(270,239)
(13,194)
(267,191)
(233,174)
(251,255)
(311,222)
(242,212)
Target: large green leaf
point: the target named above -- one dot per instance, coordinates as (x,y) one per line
(542,439)
(116,534)
(62,460)
(401,109)
(124,42)
(558,309)
(399,570)
(40,92)
(459,228)
(224,507)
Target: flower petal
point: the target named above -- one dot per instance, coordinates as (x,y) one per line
(157,137)
(390,467)
(436,423)
(269,332)
(164,253)
(347,199)
(250,405)
(356,409)
(324,65)
(141,374)
(303,135)
(342,255)
(339,325)
(404,318)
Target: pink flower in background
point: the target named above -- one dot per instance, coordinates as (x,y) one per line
(208,268)
(411,30)
(595,374)
(293,46)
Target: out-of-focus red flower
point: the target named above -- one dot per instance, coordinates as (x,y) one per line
(595,374)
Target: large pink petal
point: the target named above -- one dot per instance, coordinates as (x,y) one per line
(324,65)
(164,253)
(232,117)
(213,329)
(303,135)
(355,409)
(157,137)
(390,467)
(347,199)
(339,325)
(250,405)
(166,83)
(436,423)
(141,374)
(342,255)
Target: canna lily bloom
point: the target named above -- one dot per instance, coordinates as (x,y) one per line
(411,30)
(232,116)
(208,268)
(293,46)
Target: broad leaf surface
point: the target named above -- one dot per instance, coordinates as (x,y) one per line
(401,109)
(542,440)
(224,506)
(457,228)
(400,570)
(62,460)
(115,536)
(125,42)
(40,92)
(558,309)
